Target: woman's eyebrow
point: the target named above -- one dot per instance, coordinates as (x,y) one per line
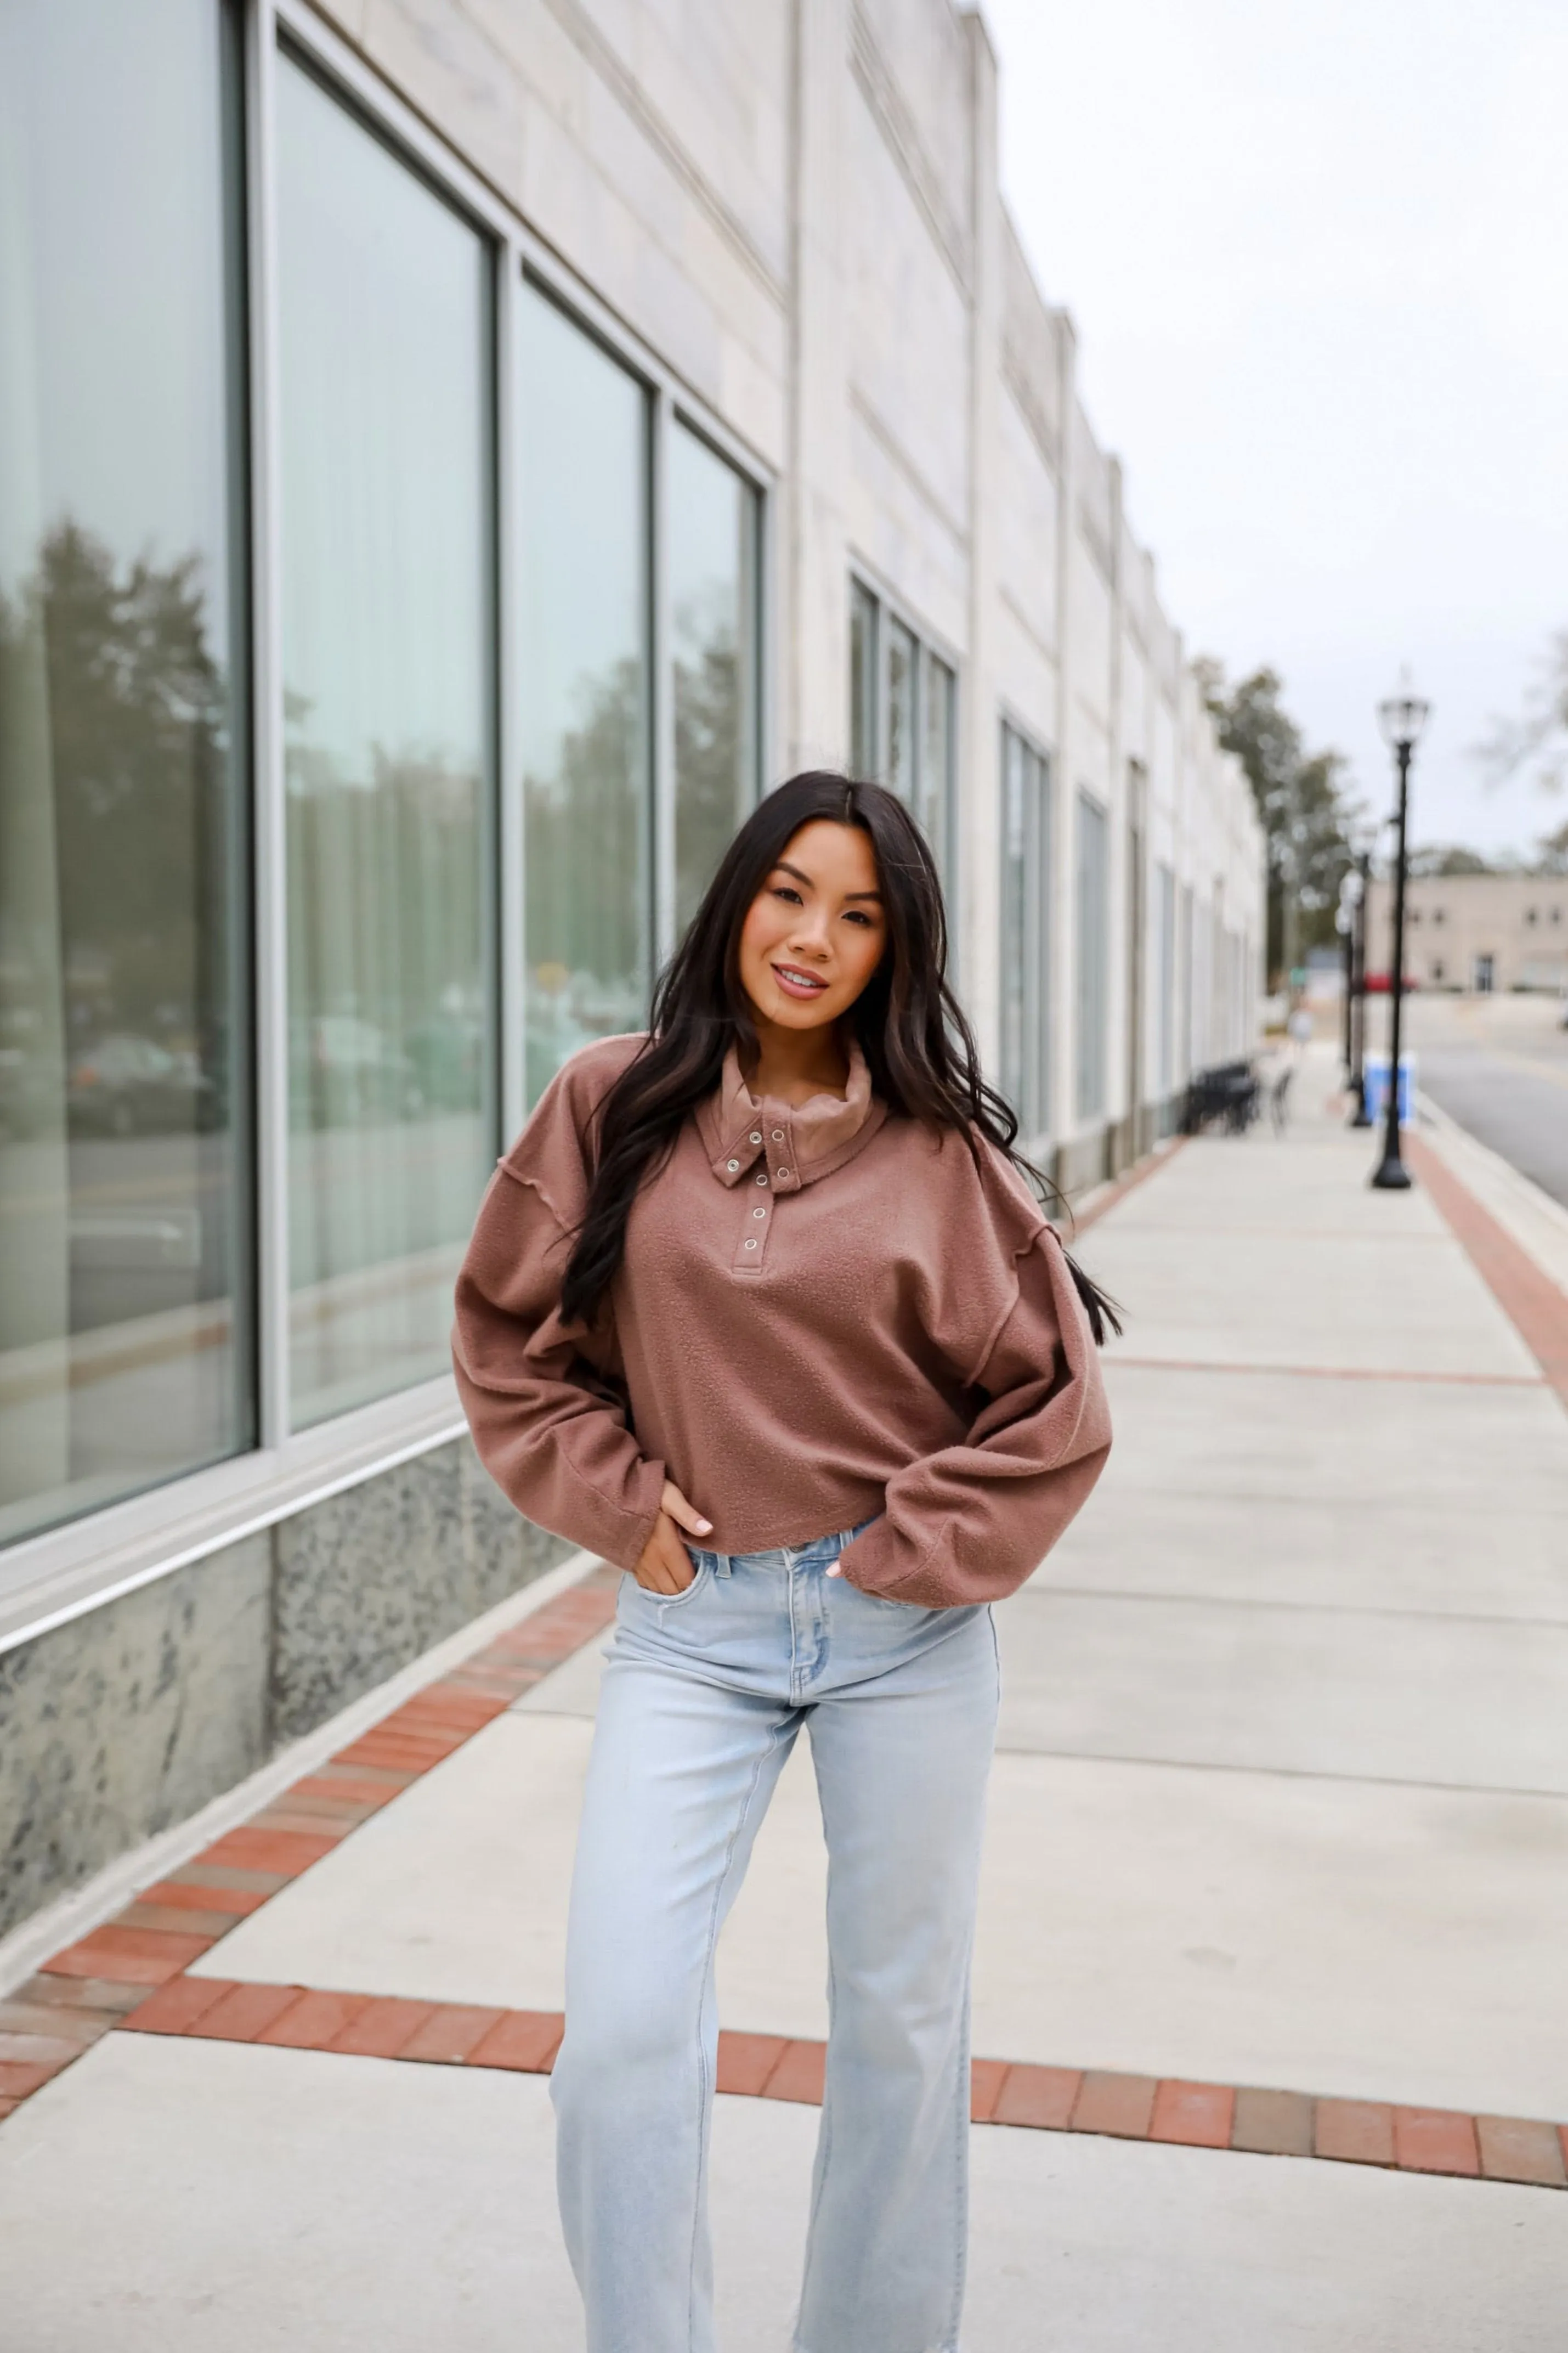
(783,866)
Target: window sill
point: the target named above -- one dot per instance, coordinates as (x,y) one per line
(46,1580)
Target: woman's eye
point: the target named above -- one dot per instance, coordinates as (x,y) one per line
(783,891)
(858,915)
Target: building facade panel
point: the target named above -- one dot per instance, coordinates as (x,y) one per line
(584,390)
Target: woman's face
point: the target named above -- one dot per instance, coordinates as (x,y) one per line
(815,931)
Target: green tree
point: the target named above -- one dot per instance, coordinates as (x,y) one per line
(1552,852)
(1535,741)
(1301,801)
(1448,858)
(136,780)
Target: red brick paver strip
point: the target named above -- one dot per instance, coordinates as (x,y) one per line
(81,1993)
(20,2049)
(243,2011)
(746,2061)
(1040,2097)
(226,1875)
(1199,2115)
(383,2027)
(134,1956)
(176,2007)
(178,1918)
(288,1852)
(1435,2141)
(1357,2132)
(20,2078)
(1525,1292)
(1514,2150)
(1120,2106)
(79,2026)
(986,2077)
(799,2074)
(450,2032)
(312,2019)
(1116,1192)
(523,2039)
(1272,2124)
(777,2067)
(192,1896)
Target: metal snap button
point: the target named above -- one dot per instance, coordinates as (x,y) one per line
(757,1137)
(732,1165)
(762,1175)
(784,1176)
(753,1243)
(759,1213)
(778,1136)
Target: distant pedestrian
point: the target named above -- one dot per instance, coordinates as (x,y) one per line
(1299,1029)
(779,1255)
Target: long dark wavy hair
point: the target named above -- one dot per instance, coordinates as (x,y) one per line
(919,1048)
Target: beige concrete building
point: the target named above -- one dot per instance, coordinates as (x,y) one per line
(1479,933)
(454,456)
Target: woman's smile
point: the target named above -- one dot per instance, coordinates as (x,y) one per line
(795,981)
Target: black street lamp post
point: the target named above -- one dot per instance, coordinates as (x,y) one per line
(1402,718)
(1360,1116)
(1344,922)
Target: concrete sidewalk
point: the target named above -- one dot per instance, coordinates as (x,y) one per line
(1280,1807)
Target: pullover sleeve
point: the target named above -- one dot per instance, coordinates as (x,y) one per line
(970,1523)
(547,1419)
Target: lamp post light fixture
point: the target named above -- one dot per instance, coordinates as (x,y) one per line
(1402,719)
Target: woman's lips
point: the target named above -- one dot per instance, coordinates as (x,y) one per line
(797,983)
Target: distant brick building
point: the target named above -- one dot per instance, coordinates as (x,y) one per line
(1477,933)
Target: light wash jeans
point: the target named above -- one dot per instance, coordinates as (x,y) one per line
(703,1696)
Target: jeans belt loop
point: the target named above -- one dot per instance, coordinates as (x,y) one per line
(721,1563)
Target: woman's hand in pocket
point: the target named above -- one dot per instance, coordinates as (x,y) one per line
(665,1565)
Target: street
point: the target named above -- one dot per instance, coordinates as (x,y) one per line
(1500,1066)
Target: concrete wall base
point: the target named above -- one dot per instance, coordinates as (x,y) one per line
(122,1722)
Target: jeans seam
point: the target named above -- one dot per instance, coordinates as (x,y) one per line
(709,1946)
(827,2128)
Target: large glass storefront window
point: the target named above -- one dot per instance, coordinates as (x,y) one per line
(1024,901)
(583,692)
(126,1345)
(903,716)
(387,536)
(1093,910)
(712,586)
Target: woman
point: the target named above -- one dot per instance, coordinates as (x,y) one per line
(758,1308)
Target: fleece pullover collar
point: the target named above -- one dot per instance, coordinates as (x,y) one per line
(798,1142)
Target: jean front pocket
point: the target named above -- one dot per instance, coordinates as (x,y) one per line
(664,1602)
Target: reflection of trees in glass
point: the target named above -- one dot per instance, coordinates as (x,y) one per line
(711,758)
(136,757)
(587,922)
(385,994)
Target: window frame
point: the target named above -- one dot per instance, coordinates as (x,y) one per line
(1034,1094)
(61,1573)
(1091,991)
(887,611)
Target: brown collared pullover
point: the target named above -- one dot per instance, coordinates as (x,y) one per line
(826,1314)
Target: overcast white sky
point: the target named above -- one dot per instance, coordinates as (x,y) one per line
(1317,253)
